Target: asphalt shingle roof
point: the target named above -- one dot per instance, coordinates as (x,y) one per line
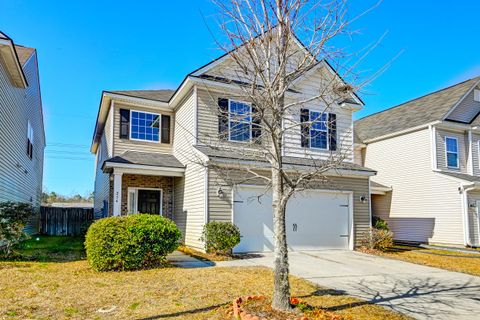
(147,159)
(463,176)
(228,155)
(429,108)
(163,95)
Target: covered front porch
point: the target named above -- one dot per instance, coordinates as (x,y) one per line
(142,183)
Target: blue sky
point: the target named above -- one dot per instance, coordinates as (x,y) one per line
(85,47)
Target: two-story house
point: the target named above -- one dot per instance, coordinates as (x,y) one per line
(152,146)
(22,136)
(426,152)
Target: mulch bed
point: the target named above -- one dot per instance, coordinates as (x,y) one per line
(259,308)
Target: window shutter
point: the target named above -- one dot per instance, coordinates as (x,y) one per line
(165,129)
(256,125)
(332,126)
(305,127)
(124,123)
(223,118)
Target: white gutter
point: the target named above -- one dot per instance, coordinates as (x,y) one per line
(399,133)
(470,153)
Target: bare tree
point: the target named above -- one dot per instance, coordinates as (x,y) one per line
(271,46)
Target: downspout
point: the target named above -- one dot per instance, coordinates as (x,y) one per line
(466,221)
(433,145)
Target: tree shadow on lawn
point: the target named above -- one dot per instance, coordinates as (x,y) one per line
(187,312)
(48,249)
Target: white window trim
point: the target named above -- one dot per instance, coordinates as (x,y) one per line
(478,153)
(310,130)
(135,189)
(447,152)
(250,123)
(159,126)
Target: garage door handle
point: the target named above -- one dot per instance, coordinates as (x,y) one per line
(295,227)
(344,236)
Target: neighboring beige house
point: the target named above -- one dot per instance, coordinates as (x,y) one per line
(22,135)
(426,152)
(151,145)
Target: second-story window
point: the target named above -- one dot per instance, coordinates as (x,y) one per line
(240,121)
(451,150)
(144,126)
(318,130)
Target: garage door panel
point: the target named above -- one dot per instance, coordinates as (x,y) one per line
(315,219)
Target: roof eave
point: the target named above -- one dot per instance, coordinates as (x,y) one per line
(14,68)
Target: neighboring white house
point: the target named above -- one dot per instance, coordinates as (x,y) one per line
(22,136)
(426,152)
(149,146)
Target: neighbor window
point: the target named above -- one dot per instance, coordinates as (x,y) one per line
(144,126)
(318,130)
(451,147)
(240,121)
(29,140)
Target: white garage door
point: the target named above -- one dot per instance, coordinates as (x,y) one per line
(316,220)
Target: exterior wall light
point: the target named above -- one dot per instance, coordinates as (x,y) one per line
(363,199)
(220,193)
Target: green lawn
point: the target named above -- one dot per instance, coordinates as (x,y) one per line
(50,249)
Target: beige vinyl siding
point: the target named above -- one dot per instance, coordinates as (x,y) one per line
(476,153)
(189,191)
(473,217)
(466,110)
(358,155)
(122,145)
(221,209)
(423,205)
(102,180)
(20,176)
(310,87)
(462,150)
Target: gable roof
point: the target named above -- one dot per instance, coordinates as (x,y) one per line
(429,108)
(162,95)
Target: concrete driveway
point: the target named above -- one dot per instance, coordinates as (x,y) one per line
(418,291)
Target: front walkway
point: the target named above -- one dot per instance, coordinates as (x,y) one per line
(418,291)
(181,260)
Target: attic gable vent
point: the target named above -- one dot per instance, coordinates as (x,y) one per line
(476,95)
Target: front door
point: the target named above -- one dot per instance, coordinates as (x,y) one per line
(149,201)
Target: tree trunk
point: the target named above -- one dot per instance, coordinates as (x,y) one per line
(281,293)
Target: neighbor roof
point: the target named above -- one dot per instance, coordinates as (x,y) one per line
(163,95)
(429,108)
(147,159)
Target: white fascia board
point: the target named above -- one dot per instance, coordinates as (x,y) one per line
(460,101)
(185,87)
(464,183)
(359,146)
(105,103)
(401,132)
(453,126)
(144,169)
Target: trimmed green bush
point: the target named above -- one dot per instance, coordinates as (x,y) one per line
(130,242)
(220,237)
(380,224)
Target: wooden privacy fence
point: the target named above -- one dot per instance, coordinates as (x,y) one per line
(57,221)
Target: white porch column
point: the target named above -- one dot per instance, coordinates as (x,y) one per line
(117,193)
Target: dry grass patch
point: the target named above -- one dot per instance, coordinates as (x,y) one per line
(444,259)
(72,290)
